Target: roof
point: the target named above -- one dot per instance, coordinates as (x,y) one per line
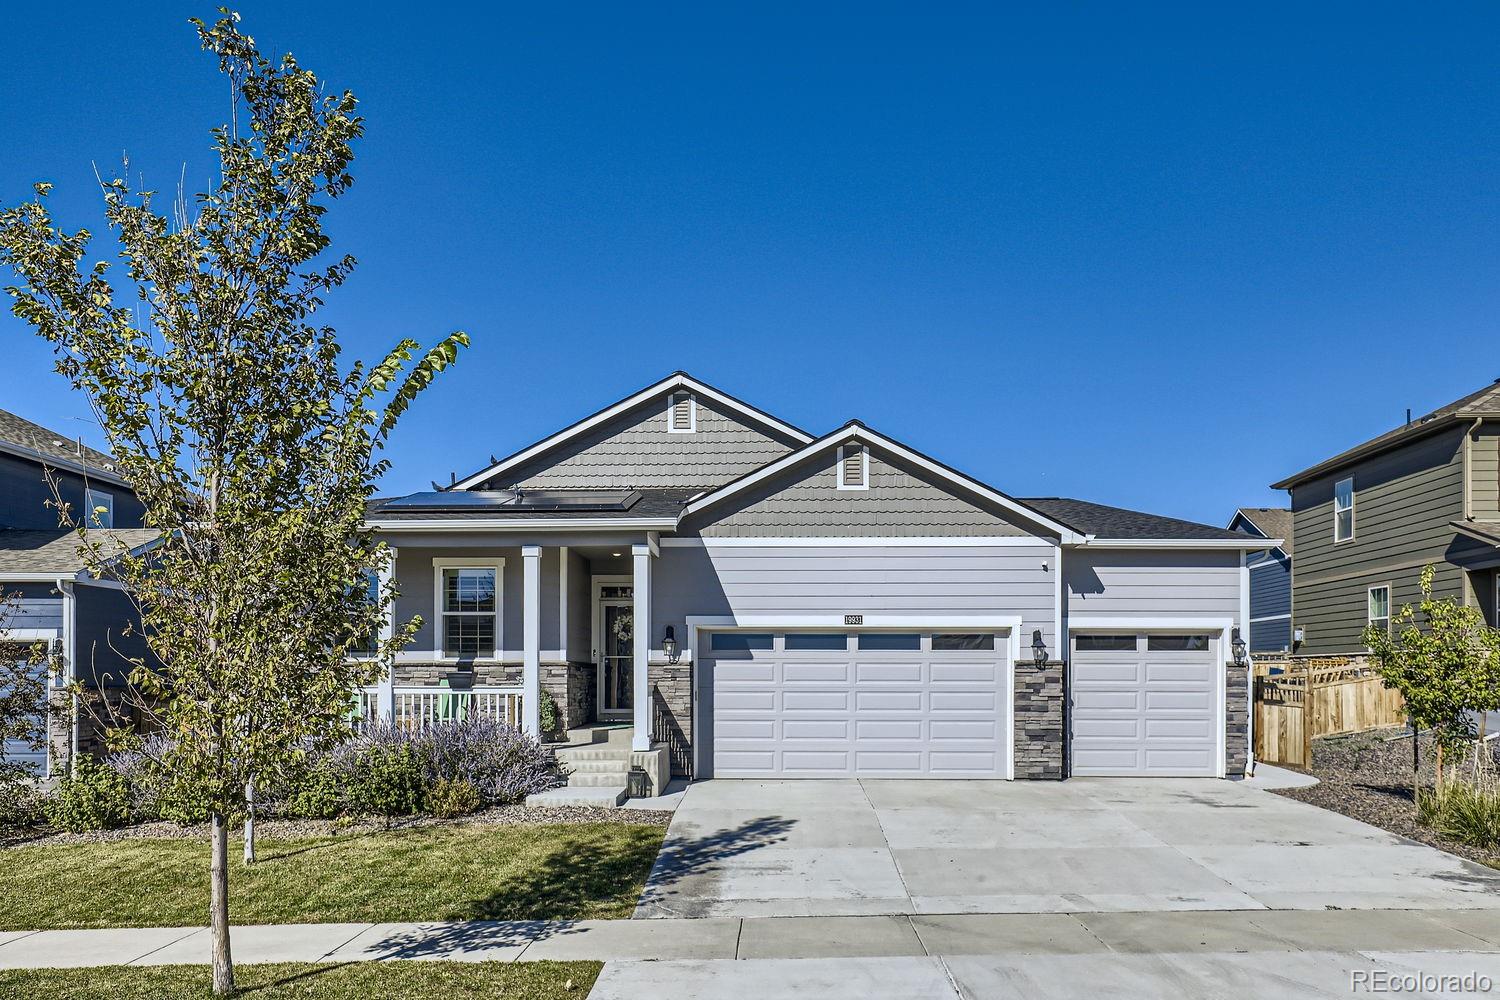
(1271,522)
(673,382)
(1485,531)
(647,503)
(1480,403)
(1117,522)
(57,550)
(31,440)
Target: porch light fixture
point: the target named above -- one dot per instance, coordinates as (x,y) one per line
(1038,649)
(1237,644)
(669,644)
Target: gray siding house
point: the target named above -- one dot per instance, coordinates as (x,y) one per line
(1369,519)
(48,596)
(1270,578)
(747,600)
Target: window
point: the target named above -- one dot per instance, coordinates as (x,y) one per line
(890,640)
(1176,643)
(1380,607)
(365,645)
(738,642)
(817,640)
(854,467)
(100,509)
(468,597)
(1343,510)
(1105,643)
(682,413)
(963,640)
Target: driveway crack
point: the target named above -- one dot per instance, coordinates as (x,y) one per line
(883,836)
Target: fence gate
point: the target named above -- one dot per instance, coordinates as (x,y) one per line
(1313,698)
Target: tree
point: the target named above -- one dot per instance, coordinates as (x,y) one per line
(1444,660)
(253,447)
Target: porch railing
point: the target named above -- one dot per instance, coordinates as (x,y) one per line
(420,707)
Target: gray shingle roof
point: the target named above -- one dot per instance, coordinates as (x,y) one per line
(32,436)
(1488,531)
(653,503)
(1274,522)
(1117,522)
(57,550)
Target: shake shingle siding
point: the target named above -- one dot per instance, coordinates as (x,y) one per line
(637,450)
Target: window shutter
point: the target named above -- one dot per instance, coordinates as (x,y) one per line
(854,466)
(682,413)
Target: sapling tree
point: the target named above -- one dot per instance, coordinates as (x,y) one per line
(252,444)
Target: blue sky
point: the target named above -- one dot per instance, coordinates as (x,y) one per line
(1156,257)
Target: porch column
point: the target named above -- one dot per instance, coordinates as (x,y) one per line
(385,696)
(641,652)
(531,640)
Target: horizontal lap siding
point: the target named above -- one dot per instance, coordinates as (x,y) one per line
(1333,614)
(768,580)
(1142,583)
(1270,594)
(30,606)
(1484,458)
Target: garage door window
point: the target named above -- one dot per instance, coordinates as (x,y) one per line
(890,640)
(1106,643)
(1176,643)
(738,642)
(817,640)
(963,640)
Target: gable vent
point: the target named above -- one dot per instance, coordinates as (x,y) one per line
(854,467)
(682,413)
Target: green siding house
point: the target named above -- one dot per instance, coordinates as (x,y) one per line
(1369,519)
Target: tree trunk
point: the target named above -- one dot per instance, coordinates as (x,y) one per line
(218,906)
(1416,766)
(250,822)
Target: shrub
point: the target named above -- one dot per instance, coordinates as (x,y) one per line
(93,797)
(452,797)
(154,793)
(20,806)
(547,711)
(388,780)
(321,793)
(1466,812)
(502,763)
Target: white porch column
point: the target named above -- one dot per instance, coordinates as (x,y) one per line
(385,696)
(531,639)
(641,652)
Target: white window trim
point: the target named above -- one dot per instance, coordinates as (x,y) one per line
(864,453)
(439,616)
(1389,611)
(90,498)
(692,426)
(1352,504)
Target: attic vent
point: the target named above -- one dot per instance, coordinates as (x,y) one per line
(854,467)
(682,413)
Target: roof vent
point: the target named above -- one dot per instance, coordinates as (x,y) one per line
(854,467)
(682,413)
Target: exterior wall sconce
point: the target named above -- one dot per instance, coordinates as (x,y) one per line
(1237,644)
(669,644)
(1038,649)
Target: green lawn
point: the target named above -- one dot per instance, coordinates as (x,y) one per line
(563,871)
(352,981)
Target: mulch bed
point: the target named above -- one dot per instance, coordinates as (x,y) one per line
(287,829)
(1367,776)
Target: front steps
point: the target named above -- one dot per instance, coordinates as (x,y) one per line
(597,760)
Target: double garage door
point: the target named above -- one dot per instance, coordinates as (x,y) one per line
(839,705)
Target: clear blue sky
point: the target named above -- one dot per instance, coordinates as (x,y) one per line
(1151,257)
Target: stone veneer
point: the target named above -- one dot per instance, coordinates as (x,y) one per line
(672,701)
(1236,720)
(1040,748)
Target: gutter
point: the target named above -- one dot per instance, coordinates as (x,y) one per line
(1250,543)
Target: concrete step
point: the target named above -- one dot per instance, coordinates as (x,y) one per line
(594,753)
(609,798)
(595,766)
(596,779)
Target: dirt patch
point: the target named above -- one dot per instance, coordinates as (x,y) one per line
(1367,776)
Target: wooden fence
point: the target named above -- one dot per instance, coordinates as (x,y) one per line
(1345,697)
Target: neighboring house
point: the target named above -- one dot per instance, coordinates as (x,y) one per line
(1270,578)
(50,597)
(1369,519)
(749,600)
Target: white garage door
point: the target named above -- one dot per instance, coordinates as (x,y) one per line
(1145,705)
(837,705)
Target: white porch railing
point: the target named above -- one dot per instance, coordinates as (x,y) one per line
(420,707)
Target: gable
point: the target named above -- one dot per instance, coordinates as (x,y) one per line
(637,449)
(806,501)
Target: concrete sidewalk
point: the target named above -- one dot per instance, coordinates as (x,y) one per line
(682,943)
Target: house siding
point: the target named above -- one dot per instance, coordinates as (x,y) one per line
(1405,500)
(108,635)
(635,450)
(31,606)
(1270,595)
(806,501)
(416,583)
(1176,583)
(26,497)
(1484,471)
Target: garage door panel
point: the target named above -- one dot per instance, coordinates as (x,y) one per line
(888,729)
(961,729)
(814,701)
(964,673)
(746,729)
(1109,672)
(1129,700)
(745,760)
(889,762)
(963,763)
(888,701)
(981,702)
(740,700)
(1183,761)
(1176,673)
(814,729)
(815,673)
(1128,728)
(1179,729)
(803,761)
(888,673)
(746,672)
(1179,701)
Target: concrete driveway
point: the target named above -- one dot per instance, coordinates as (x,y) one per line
(827,848)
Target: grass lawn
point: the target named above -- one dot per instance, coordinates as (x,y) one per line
(473,872)
(351,981)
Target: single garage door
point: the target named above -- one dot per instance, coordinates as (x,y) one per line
(839,705)
(1145,704)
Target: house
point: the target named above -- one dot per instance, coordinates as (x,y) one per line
(1270,578)
(1370,518)
(48,594)
(747,599)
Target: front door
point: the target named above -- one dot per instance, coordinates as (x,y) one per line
(614,646)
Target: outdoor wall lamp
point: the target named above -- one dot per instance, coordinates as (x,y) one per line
(669,644)
(1237,644)
(1038,649)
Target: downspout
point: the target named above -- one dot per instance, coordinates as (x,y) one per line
(69,628)
(1469,467)
(1249,665)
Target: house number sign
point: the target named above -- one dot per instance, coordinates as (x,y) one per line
(854,619)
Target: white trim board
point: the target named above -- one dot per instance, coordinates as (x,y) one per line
(677,380)
(861,541)
(521,525)
(1249,544)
